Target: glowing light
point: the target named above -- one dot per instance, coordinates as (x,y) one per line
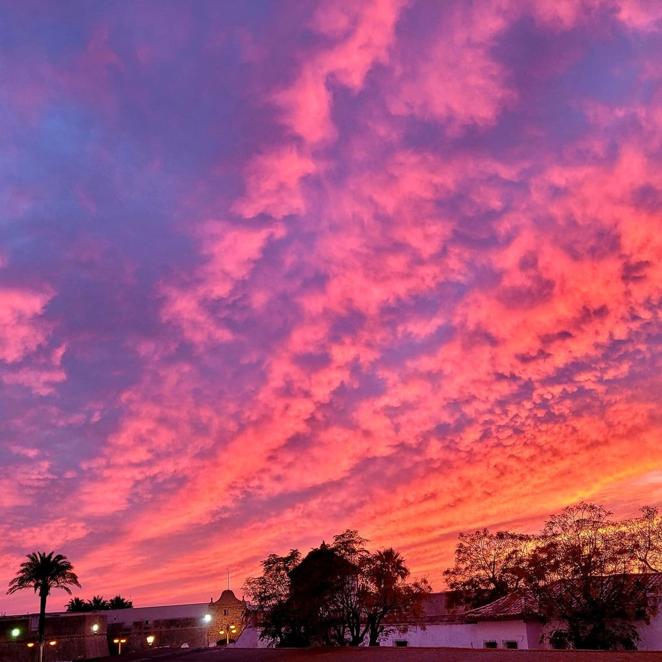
(95,627)
(221,632)
(232,628)
(207,618)
(30,644)
(15,632)
(150,639)
(116,641)
(52,643)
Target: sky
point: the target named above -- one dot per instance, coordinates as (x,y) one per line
(271,270)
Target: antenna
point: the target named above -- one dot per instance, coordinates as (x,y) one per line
(228,580)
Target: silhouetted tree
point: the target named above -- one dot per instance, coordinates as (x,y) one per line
(580,576)
(98,603)
(388,593)
(486,565)
(44,572)
(317,584)
(644,534)
(269,596)
(77,605)
(118,602)
(337,595)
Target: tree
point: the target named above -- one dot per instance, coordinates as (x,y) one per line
(645,536)
(486,565)
(388,591)
(337,595)
(98,603)
(269,595)
(77,605)
(318,584)
(44,572)
(118,602)
(580,576)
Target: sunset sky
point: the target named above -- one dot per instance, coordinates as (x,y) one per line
(271,270)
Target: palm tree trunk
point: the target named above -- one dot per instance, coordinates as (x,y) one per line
(43,594)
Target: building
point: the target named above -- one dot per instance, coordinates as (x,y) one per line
(140,628)
(512,622)
(68,637)
(190,626)
(78,636)
(227,618)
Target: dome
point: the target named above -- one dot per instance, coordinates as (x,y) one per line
(228,597)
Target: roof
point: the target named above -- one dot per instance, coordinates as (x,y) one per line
(522,604)
(230,599)
(441,607)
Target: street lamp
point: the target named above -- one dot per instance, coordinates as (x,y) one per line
(15,632)
(95,628)
(52,642)
(119,643)
(207,618)
(227,630)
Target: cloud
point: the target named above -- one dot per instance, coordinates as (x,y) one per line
(20,328)
(397,268)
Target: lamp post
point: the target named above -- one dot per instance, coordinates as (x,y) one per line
(119,643)
(227,630)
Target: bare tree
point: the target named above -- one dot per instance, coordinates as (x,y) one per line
(580,576)
(645,536)
(486,565)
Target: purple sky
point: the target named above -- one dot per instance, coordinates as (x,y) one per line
(269,270)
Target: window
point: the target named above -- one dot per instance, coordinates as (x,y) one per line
(225,612)
(401,643)
(510,644)
(490,644)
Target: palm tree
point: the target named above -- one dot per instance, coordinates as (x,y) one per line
(77,604)
(44,572)
(118,602)
(97,603)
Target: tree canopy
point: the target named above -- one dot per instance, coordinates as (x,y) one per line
(338,594)
(98,603)
(43,572)
(590,575)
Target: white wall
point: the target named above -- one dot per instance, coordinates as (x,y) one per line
(461,635)
(651,633)
(136,614)
(473,635)
(249,638)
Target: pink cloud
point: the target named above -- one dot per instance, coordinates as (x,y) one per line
(21,330)
(430,303)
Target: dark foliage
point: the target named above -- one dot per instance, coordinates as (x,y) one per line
(42,573)
(589,575)
(98,603)
(486,566)
(337,595)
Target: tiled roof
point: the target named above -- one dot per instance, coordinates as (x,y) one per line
(522,604)
(435,608)
(514,605)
